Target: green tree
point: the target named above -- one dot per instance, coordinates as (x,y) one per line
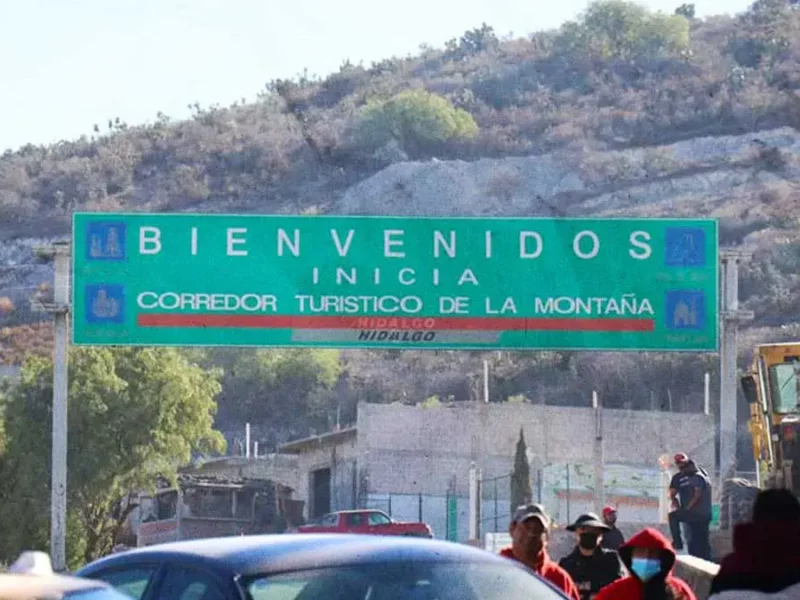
(474,41)
(418,120)
(686,10)
(287,389)
(134,414)
(624,30)
(762,33)
(521,475)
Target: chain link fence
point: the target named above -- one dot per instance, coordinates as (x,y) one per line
(641,496)
(567,490)
(446,514)
(495,503)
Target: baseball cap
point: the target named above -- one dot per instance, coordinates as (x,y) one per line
(608,510)
(681,459)
(588,520)
(530,511)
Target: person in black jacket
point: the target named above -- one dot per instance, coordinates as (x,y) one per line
(591,566)
(690,491)
(613,538)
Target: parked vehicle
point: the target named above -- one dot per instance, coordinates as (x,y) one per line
(369,522)
(31,577)
(317,567)
(209,506)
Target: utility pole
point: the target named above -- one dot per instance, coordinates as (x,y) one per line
(59,308)
(731,316)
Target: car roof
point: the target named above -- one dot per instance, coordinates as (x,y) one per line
(22,586)
(265,554)
(354,510)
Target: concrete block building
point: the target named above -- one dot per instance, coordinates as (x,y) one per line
(414,462)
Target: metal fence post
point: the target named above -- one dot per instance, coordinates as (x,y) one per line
(496,525)
(539,482)
(420,507)
(474,502)
(447,515)
(569,495)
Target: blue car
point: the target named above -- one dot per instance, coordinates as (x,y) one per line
(317,567)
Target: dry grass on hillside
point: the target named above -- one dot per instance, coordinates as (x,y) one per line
(20,343)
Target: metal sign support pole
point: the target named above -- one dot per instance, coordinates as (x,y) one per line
(728,385)
(59,308)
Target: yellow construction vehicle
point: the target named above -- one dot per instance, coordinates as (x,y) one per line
(772,390)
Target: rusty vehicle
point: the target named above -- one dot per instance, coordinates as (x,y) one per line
(207,506)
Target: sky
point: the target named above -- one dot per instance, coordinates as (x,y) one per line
(68,64)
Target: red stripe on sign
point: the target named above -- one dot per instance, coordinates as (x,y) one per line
(430,323)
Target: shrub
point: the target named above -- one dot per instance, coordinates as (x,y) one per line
(417,119)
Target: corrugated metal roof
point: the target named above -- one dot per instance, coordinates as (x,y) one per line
(297,446)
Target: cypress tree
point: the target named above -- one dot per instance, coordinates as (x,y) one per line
(521,476)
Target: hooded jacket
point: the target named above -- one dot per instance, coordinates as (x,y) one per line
(547,568)
(632,588)
(765,558)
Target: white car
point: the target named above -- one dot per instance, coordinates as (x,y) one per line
(31,577)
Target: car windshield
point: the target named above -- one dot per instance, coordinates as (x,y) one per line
(404,581)
(95,594)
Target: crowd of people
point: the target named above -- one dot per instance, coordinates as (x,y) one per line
(764,564)
(641,568)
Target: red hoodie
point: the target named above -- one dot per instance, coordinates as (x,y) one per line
(548,569)
(631,587)
(765,557)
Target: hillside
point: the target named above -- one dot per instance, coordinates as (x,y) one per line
(622,112)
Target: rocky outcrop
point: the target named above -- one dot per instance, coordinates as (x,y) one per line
(699,177)
(21,274)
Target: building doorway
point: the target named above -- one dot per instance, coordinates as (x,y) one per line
(320,492)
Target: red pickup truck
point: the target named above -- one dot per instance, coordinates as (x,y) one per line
(375,522)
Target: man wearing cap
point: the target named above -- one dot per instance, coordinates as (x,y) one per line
(690,493)
(613,538)
(591,566)
(529,529)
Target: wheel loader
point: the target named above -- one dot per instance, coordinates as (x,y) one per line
(772,390)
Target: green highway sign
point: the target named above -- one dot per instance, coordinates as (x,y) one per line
(395,282)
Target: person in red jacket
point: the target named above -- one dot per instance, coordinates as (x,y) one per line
(649,557)
(529,529)
(766,551)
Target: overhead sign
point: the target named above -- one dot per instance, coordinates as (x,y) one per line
(250,280)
